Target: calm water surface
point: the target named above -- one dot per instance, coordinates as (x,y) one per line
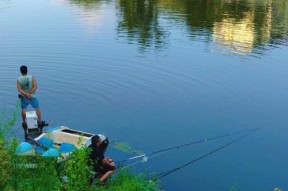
(156,74)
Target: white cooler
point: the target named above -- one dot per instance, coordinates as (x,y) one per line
(31,119)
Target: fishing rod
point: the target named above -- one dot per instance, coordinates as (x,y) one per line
(168,172)
(33,141)
(144,157)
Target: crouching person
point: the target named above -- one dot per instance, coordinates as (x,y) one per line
(103,166)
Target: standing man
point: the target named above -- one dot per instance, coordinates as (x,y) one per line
(27,85)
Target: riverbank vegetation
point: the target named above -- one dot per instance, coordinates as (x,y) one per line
(25,173)
(29,173)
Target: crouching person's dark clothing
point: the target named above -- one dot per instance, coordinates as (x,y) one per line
(96,156)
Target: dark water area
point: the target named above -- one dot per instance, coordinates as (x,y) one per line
(156,74)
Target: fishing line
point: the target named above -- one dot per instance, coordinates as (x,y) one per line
(162,151)
(168,172)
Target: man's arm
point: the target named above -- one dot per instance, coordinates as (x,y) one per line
(22,91)
(34,86)
(19,88)
(107,161)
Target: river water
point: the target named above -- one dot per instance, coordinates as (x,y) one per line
(157,74)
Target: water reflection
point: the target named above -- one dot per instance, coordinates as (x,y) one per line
(140,22)
(239,26)
(236,36)
(89,13)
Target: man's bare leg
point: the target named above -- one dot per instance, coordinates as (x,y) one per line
(38,112)
(24,115)
(106,175)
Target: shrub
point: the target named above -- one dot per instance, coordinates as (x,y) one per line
(33,173)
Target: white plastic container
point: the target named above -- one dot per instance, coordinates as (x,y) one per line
(31,119)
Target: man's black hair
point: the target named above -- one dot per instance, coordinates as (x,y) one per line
(95,139)
(23,70)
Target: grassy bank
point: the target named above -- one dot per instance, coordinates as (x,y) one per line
(25,173)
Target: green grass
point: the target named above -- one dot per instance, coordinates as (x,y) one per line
(71,175)
(47,175)
(124,181)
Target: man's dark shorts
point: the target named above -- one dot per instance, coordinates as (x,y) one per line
(26,101)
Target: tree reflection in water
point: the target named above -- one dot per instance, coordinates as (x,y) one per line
(237,25)
(140,21)
(241,26)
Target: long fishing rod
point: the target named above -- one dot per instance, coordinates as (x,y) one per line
(166,173)
(33,141)
(144,157)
